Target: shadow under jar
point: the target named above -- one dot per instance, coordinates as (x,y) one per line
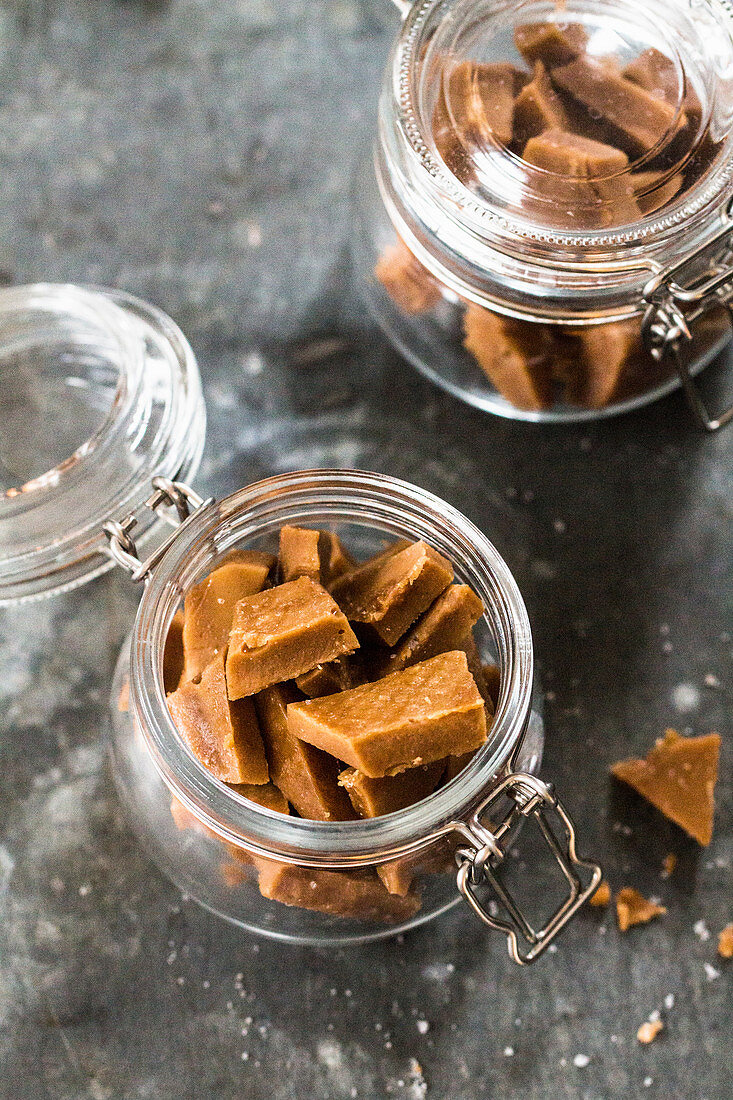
(103,403)
(545,228)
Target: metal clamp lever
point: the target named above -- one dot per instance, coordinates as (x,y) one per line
(673,305)
(529,798)
(167,494)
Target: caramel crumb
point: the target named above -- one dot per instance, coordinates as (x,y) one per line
(678,776)
(633,908)
(668,864)
(725,942)
(649,1030)
(602,895)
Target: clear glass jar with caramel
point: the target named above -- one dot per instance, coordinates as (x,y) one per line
(271,873)
(544,228)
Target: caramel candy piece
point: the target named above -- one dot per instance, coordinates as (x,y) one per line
(633,908)
(209,606)
(356,894)
(637,119)
(223,735)
(657,74)
(604,354)
(571,155)
(550,43)
(405,279)
(481,101)
(307,777)
(390,591)
(602,896)
(443,627)
(417,716)
(678,777)
(725,942)
(265,794)
(299,556)
(173,654)
(315,554)
(476,668)
(375,797)
(538,108)
(282,632)
(327,679)
(514,355)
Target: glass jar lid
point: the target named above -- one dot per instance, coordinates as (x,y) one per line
(576,118)
(559,147)
(98,393)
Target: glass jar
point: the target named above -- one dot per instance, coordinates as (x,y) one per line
(281,876)
(556,273)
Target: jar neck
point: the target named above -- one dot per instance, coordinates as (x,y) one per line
(330,498)
(479,252)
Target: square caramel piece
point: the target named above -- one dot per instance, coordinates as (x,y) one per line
(376,797)
(307,777)
(514,355)
(319,555)
(390,591)
(209,606)
(283,632)
(423,714)
(223,735)
(550,43)
(442,628)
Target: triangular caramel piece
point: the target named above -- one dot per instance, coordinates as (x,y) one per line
(633,908)
(678,777)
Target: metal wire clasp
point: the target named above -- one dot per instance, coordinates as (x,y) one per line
(175,503)
(677,297)
(524,797)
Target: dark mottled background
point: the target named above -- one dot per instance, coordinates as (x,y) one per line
(199,153)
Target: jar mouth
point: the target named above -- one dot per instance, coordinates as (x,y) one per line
(499,227)
(99,391)
(321,498)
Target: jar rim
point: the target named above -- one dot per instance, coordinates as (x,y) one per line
(360,495)
(51,537)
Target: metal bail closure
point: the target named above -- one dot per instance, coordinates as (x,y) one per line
(527,798)
(175,503)
(678,297)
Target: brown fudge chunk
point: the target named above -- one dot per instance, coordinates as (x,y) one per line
(328,679)
(481,102)
(425,713)
(315,554)
(550,43)
(307,777)
(633,908)
(299,556)
(405,279)
(538,108)
(657,74)
(282,632)
(391,591)
(375,797)
(209,606)
(335,558)
(223,735)
(265,794)
(602,896)
(637,119)
(356,894)
(603,353)
(678,777)
(514,355)
(443,627)
(173,654)
(476,668)
(573,156)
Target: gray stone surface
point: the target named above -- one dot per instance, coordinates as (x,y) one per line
(199,153)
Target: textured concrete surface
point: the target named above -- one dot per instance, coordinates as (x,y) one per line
(199,154)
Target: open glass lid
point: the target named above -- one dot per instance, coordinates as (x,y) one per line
(606,121)
(99,392)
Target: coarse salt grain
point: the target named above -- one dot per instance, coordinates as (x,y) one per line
(581,1061)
